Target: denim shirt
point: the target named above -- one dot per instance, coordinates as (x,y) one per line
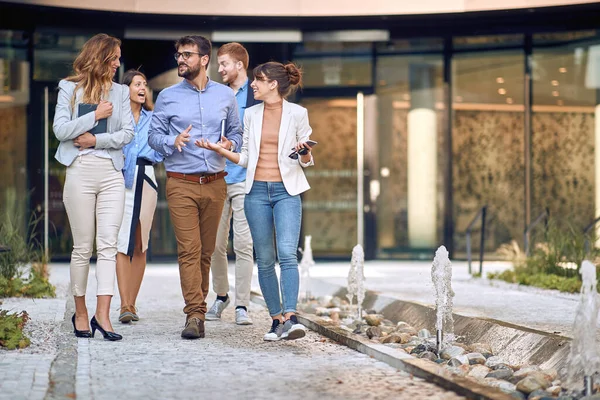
(182,105)
(236,173)
(138,148)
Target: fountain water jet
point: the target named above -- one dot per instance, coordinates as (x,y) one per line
(356,278)
(583,357)
(441,275)
(306,264)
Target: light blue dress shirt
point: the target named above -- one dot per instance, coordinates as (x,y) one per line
(182,105)
(139,148)
(236,173)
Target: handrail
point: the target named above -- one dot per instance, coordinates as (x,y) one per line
(587,230)
(543,214)
(481,214)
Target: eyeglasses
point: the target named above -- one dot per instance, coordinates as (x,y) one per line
(186,55)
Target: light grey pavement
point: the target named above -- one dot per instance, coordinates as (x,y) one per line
(24,374)
(153,362)
(545,310)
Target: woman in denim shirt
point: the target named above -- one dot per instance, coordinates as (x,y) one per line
(140,197)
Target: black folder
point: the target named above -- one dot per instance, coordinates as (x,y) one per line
(102,126)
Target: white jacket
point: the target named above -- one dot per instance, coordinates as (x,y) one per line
(294,128)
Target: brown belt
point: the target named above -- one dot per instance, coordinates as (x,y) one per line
(198,178)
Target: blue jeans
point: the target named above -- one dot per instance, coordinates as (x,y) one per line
(273,214)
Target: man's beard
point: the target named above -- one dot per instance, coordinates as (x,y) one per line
(190,73)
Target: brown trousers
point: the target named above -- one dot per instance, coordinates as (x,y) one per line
(195,214)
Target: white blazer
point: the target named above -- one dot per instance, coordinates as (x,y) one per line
(294,128)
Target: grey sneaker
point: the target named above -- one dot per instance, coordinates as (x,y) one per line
(214,314)
(275,333)
(292,329)
(242,317)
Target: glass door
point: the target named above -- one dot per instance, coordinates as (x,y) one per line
(411,153)
(329,208)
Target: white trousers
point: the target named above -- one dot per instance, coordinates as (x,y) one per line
(94,195)
(242,246)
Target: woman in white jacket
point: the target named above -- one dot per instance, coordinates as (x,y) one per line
(274,151)
(93,122)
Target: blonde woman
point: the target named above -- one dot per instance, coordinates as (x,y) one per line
(140,197)
(93,123)
(275,151)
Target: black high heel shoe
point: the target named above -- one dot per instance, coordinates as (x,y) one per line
(107,335)
(83,334)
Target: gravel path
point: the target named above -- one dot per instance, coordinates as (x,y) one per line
(153,362)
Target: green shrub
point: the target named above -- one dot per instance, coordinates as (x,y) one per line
(11,330)
(24,251)
(555,259)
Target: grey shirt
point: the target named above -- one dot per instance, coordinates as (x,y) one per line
(68,125)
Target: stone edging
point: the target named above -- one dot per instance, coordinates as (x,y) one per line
(63,369)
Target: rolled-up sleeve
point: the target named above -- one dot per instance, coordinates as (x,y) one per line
(158,134)
(64,126)
(303,134)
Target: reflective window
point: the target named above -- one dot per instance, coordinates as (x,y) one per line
(487,144)
(335,63)
(410,152)
(492,41)
(566,79)
(14,98)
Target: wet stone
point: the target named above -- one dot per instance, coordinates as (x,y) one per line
(483,348)
(452,351)
(393,338)
(491,362)
(410,331)
(500,384)
(525,371)
(517,395)
(479,371)
(374,319)
(476,358)
(538,395)
(428,355)
(461,370)
(424,347)
(554,390)
(501,373)
(373,332)
(459,360)
(502,366)
(530,384)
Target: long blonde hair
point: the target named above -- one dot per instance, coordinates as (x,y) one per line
(91,68)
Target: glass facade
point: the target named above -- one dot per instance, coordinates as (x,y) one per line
(14,99)
(451,124)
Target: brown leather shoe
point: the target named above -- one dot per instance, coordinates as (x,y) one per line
(194,329)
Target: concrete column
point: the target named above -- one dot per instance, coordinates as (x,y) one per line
(422,158)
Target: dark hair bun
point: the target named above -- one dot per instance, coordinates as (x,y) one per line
(294,73)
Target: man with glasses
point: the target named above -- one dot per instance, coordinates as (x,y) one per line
(196,108)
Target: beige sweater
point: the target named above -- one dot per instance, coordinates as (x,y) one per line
(267,168)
